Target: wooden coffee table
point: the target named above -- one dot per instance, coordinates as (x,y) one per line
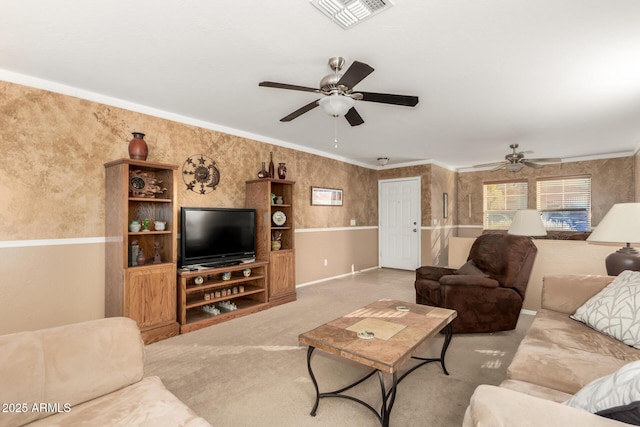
(399,330)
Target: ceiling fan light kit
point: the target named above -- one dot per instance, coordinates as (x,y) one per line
(347,13)
(336,105)
(382,161)
(514,167)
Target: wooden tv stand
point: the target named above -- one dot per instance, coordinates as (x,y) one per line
(193,298)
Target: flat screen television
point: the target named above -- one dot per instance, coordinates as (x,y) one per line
(211,237)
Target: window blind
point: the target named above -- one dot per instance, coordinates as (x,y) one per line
(501,200)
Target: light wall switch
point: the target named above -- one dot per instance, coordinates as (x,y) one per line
(435,221)
(353,222)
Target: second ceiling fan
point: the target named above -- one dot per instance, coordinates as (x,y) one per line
(339,92)
(516,160)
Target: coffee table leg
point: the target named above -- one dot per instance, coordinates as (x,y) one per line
(447,340)
(313,379)
(388,399)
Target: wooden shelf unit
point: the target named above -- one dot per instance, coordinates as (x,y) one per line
(191,296)
(282,286)
(146,293)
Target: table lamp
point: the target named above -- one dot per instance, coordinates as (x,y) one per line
(527,222)
(620,225)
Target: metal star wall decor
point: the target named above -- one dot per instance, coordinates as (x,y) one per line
(200,174)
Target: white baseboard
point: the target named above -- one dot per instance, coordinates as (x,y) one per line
(336,277)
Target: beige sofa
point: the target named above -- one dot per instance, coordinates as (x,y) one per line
(557,357)
(88,373)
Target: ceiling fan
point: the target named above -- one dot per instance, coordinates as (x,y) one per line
(340,94)
(516,160)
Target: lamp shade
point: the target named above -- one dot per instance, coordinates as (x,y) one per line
(620,225)
(527,222)
(336,105)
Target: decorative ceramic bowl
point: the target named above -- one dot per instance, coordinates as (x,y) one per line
(226,275)
(246,272)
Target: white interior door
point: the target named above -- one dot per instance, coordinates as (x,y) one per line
(399,223)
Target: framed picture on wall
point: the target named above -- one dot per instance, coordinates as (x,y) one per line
(326,196)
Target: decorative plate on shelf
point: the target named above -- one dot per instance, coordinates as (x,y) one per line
(279,218)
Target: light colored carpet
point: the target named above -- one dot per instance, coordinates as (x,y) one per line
(251,371)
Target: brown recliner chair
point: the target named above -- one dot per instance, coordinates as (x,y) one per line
(487,292)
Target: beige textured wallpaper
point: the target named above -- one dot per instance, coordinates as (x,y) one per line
(612,181)
(54,148)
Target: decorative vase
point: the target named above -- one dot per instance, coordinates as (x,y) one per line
(263,172)
(276,245)
(279,200)
(141,259)
(282,171)
(134,226)
(138,149)
(272,171)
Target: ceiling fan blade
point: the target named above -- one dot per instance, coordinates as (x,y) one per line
(300,111)
(532,165)
(387,98)
(355,74)
(547,160)
(288,86)
(353,117)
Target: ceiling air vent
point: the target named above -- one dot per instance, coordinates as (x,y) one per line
(348,13)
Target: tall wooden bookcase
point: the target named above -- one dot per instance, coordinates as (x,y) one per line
(281,283)
(145,293)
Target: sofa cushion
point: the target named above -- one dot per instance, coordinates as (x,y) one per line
(566,355)
(615,310)
(561,368)
(492,406)
(145,403)
(536,390)
(69,364)
(615,393)
(559,328)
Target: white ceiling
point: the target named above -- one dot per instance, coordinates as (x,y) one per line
(559,77)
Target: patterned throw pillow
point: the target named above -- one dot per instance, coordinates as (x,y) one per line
(613,396)
(615,310)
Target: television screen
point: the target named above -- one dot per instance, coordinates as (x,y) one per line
(213,236)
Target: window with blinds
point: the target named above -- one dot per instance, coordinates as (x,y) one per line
(565,204)
(501,200)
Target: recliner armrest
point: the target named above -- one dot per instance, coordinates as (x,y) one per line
(468,280)
(432,272)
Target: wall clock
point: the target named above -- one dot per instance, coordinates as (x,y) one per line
(144,184)
(279,218)
(200,174)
